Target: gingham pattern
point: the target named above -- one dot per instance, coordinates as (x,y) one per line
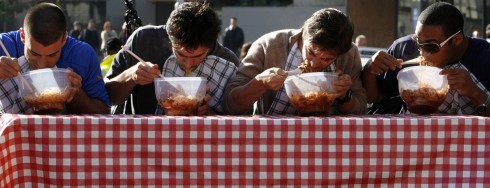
(216,70)
(10,100)
(230,151)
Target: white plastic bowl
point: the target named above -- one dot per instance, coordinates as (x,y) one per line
(180,96)
(311,92)
(422,88)
(50,90)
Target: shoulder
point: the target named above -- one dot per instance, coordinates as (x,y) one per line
(149,33)
(74,46)
(350,57)
(12,35)
(225,53)
(478,48)
(149,29)
(278,38)
(212,59)
(404,39)
(404,48)
(284,34)
(481,43)
(12,43)
(77,53)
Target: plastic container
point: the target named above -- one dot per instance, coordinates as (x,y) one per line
(422,88)
(48,90)
(311,93)
(180,96)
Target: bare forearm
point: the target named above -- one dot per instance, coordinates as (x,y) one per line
(244,97)
(83,104)
(370,84)
(119,88)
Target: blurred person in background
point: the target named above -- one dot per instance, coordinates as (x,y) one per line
(233,38)
(90,35)
(77,30)
(361,40)
(476,34)
(106,34)
(47,45)
(109,51)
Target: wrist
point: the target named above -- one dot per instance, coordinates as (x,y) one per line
(259,83)
(482,107)
(346,98)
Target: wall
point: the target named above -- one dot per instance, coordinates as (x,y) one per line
(375,19)
(256,21)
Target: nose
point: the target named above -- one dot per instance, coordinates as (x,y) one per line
(425,54)
(42,62)
(187,63)
(314,62)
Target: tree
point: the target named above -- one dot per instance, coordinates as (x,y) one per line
(8,10)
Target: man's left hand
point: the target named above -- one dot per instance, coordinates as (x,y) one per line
(460,80)
(342,85)
(76,83)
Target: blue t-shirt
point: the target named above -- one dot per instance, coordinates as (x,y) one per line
(76,55)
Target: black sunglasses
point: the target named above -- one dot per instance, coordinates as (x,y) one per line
(432,47)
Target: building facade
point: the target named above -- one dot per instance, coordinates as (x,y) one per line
(382,21)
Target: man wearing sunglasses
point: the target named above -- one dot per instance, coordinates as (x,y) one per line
(438,38)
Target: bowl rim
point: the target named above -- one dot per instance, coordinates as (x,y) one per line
(195,78)
(38,71)
(416,67)
(309,74)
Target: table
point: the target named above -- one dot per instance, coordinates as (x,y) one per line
(219,151)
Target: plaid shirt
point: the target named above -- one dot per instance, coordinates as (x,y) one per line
(280,104)
(456,103)
(10,99)
(216,70)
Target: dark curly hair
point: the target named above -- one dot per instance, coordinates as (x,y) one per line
(330,29)
(45,23)
(193,24)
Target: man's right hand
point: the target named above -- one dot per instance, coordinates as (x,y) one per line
(382,62)
(144,72)
(9,67)
(272,78)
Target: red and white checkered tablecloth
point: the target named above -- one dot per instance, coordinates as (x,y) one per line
(156,151)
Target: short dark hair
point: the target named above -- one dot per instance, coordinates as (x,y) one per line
(330,29)
(193,24)
(45,23)
(445,15)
